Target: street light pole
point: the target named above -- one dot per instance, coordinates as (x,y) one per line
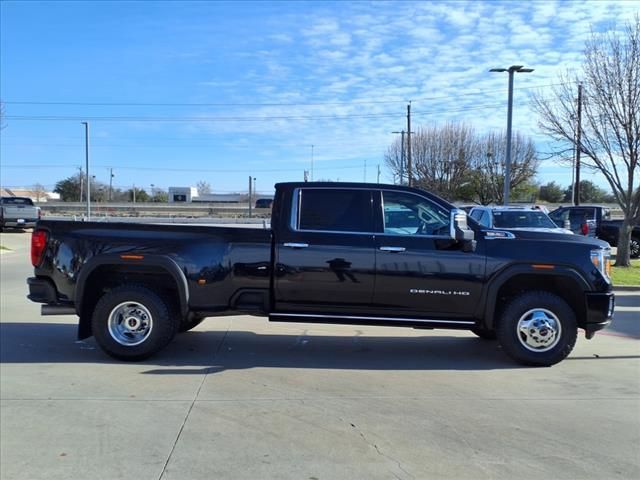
(86,155)
(507,167)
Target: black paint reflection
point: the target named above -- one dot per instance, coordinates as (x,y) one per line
(342,269)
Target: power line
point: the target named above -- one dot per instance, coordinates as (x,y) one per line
(191,170)
(267,104)
(242,118)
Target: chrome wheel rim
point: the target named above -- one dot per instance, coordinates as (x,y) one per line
(130,324)
(539,330)
(634,248)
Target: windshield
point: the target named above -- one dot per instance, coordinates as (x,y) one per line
(522,219)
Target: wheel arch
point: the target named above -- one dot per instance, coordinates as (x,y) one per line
(157,272)
(565,282)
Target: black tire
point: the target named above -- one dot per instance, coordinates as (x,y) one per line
(634,248)
(484,333)
(545,313)
(192,321)
(137,307)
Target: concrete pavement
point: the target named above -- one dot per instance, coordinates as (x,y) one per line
(241,398)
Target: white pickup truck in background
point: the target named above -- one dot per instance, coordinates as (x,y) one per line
(18,212)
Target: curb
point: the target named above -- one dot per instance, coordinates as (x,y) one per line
(627,288)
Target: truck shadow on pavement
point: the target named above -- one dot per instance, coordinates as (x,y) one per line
(212,351)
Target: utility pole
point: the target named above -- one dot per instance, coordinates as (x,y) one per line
(250,180)
(378,173)
(409,173)
(576,184)
(312,163)
(86,155)
(401,155)
(110,182)
(134,193)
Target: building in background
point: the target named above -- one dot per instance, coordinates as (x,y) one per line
(190,195)
(182,194)
(38,196)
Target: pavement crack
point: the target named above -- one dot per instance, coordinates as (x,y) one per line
(193,402)
(381,453)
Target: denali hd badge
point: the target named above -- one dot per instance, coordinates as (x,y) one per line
(439,292)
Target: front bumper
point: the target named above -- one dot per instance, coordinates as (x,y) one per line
(599,308)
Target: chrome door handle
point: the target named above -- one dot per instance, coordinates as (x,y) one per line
(392,249)
(296,245)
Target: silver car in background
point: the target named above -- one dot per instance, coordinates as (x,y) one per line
(516,218)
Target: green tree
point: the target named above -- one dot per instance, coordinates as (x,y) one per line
(159,196)
(552,193)
(526,191)
(137,195)
(69,189)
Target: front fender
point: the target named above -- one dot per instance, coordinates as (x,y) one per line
(544,272)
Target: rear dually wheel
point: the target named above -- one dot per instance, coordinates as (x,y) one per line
(132,322)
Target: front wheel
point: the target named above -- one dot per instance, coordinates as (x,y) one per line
(132,322)
(537,328)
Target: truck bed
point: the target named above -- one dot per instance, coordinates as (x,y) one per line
(215,263)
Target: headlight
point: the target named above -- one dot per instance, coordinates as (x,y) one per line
(601,259)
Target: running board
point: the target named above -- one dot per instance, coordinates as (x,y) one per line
(57,310)
(364,320)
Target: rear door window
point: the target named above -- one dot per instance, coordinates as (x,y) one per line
(335,210)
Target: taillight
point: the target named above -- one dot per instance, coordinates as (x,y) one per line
(585,229)
(38,244)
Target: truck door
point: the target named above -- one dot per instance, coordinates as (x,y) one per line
(420,270)
(325,258)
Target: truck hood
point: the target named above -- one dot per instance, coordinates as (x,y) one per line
(557,237)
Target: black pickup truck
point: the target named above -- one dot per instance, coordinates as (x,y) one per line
(609,231)
(595,220)
(343,253)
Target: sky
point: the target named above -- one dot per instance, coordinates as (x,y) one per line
(181,92)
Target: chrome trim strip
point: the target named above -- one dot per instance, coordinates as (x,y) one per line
(294,222)
(392,249)
(507,235)
(296,245)
(295,208)
(351,317)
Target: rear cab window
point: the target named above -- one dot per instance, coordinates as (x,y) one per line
(16,201)
(333,210)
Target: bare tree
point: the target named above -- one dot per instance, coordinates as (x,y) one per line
(40,191)
(610,133)
(456,163)
(203,187)
(441,156)
(488,166)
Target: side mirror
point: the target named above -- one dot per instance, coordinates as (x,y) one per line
(460,231)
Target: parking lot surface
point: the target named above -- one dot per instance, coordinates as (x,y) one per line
(241,398)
